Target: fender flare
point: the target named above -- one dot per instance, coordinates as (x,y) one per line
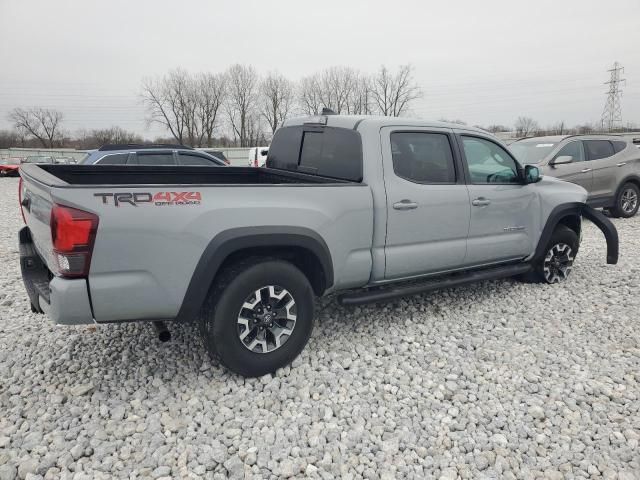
(571,209)
(577,209)
(233,240)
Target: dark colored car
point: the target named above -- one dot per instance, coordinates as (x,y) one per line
(9,167)
(156,155)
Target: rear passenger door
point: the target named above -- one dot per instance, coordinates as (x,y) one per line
(603,160)
(427,202)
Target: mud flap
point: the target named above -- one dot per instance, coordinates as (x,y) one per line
(607,228)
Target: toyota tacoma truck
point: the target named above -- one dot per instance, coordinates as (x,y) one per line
(367,208)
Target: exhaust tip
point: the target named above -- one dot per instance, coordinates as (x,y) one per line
(164,335)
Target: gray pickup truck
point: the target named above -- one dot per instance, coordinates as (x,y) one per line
(372,208)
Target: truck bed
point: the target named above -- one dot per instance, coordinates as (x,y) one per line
(78,175)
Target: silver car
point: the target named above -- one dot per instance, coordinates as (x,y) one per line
(607,166)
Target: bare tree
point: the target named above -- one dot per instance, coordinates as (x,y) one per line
(242,102)
(525,126)
(393,94)
(166,99)
(277,98)
(41,123)
(496,128)
(309,95)
(212,93)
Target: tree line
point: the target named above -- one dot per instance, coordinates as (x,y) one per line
(193,107)
(241,108)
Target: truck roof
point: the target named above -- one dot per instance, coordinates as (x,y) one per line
(355,121)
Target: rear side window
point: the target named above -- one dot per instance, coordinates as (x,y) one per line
(114,159)
(423,157)
(155,158)
(194,160)
(618,146)
(327,151)
(597,149)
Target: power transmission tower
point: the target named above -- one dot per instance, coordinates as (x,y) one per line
(612,113)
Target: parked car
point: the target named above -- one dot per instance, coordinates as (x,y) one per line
(219,154)
(258,156)
(372,208)
(9,167)
(607,166)
(64,160)
(43,159)
(158,154)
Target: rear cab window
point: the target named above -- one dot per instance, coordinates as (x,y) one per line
(318,150)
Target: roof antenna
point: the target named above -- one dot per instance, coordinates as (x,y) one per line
(327,111)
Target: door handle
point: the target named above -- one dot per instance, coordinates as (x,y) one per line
(26,203)
(480,202)
(621,164)
(585,170)
(405,205)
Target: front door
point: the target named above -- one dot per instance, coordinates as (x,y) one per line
(579,170)
(503,209)
(427,202)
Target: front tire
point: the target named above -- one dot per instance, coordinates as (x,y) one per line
(259,316)
(627,201)
(557,261)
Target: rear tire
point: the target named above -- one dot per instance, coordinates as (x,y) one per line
(557,260)
(258,317)
(627,201)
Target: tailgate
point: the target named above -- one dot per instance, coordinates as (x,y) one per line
(36,204)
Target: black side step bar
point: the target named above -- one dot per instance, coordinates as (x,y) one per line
(379,294)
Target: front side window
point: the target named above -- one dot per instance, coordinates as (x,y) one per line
(597,149)
(155,158)
(423,157)
(573,150)
(488,162)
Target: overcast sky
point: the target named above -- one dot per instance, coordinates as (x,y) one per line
(483,62)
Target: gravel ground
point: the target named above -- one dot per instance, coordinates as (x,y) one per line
(497,380)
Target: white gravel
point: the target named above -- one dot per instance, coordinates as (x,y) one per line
(498,380)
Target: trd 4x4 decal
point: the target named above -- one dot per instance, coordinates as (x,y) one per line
(159,199)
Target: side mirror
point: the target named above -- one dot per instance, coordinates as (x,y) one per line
(561,160)
(531,174)
(264,152)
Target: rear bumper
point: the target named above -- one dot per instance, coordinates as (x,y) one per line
(64,301)
(608,229)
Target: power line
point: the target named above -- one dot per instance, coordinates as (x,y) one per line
(612,113)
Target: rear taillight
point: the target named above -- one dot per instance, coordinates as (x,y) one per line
(20,201)
(73,233)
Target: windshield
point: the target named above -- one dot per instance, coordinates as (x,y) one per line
(531,152)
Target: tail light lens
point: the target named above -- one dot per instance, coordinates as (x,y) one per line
(20,195)
(73,233)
